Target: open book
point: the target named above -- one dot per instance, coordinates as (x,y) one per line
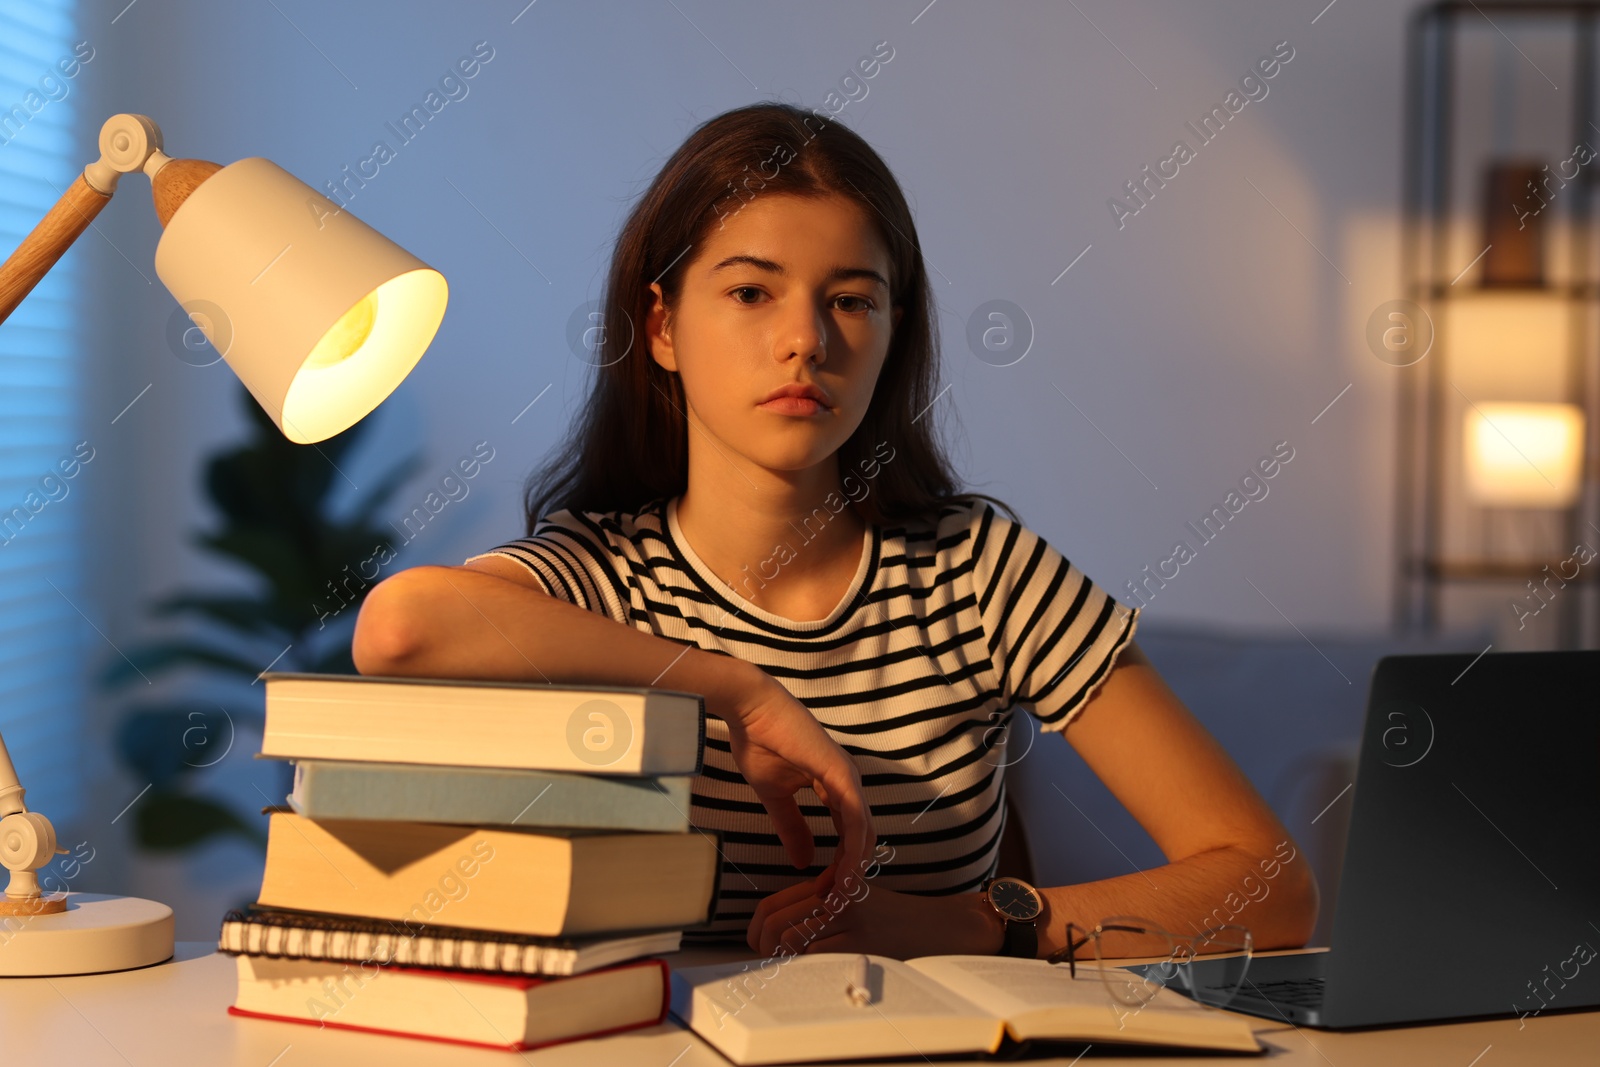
(798,1009)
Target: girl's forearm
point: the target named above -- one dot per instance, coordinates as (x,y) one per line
(1226,885)
(453,622)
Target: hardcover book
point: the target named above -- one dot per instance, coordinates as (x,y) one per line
(528,725)
(500,1011)
(489,796)
(546,883)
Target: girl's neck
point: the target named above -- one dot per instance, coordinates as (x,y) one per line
(800,546)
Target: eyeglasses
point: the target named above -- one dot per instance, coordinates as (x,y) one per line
(1212,981)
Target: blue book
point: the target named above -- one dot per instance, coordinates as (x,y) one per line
(488,796)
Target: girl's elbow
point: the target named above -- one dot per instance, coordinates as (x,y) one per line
(388,633)
(1298,909)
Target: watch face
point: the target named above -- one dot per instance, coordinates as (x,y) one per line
(1014,900)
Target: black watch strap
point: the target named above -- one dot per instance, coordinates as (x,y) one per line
(1022,939)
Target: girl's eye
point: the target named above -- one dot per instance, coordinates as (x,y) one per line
(863,304)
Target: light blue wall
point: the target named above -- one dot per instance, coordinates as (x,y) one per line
(1221,319)
(1195,337)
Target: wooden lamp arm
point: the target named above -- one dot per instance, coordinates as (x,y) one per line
(127,143)
(48,242)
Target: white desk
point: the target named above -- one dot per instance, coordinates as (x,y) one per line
(176,1013)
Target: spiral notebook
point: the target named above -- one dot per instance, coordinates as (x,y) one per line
(281,933)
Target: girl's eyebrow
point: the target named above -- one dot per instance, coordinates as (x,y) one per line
(836,274)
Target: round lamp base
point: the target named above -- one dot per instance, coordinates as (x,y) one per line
(97,932)
(43,904)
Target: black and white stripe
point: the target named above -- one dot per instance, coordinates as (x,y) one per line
(951,621)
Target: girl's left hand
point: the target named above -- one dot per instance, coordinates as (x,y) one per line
(809,917)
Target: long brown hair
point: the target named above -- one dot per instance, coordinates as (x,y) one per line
(630,443)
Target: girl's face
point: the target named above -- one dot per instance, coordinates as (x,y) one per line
(788,290)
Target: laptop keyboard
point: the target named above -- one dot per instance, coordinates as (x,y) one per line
(1301,992)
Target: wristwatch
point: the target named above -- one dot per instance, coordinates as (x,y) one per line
(1019,906)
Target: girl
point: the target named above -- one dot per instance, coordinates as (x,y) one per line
(755,508)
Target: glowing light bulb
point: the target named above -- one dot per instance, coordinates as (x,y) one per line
(345,337)
(1524,454)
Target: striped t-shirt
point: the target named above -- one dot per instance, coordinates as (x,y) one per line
(951,620)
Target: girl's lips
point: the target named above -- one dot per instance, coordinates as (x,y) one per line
(793,405)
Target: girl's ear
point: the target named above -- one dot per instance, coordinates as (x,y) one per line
(898,311)
(657,333)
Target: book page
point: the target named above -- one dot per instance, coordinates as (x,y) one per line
(812,987)
(762,1011)
(1005,986)
(1039,999)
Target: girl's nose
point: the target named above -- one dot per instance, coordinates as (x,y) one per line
(807,338)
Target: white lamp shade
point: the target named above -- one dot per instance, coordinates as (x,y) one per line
(320,315)
(1524,454)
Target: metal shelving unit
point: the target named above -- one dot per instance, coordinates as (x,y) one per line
(1426,518)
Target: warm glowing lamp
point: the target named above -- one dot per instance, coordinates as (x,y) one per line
(318,314)
(1524,454)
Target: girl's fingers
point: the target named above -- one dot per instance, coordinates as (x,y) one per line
(797,925)
(832,777)
(777,901)
(848,941)
(852,818)
(791,828)
(824,881)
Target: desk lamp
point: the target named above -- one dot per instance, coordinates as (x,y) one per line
(318,314)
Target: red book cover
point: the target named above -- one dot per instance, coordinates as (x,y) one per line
(515,981)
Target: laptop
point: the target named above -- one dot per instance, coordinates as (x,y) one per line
(1471,879)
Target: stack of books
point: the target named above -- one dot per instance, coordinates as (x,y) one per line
(494,863)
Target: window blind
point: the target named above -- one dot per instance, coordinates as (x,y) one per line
(44,649)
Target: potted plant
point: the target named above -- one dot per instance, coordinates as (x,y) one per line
(273,500)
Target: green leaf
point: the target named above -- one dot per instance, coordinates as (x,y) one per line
(169,822)
(272,500)
(345,545)
(265,551)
